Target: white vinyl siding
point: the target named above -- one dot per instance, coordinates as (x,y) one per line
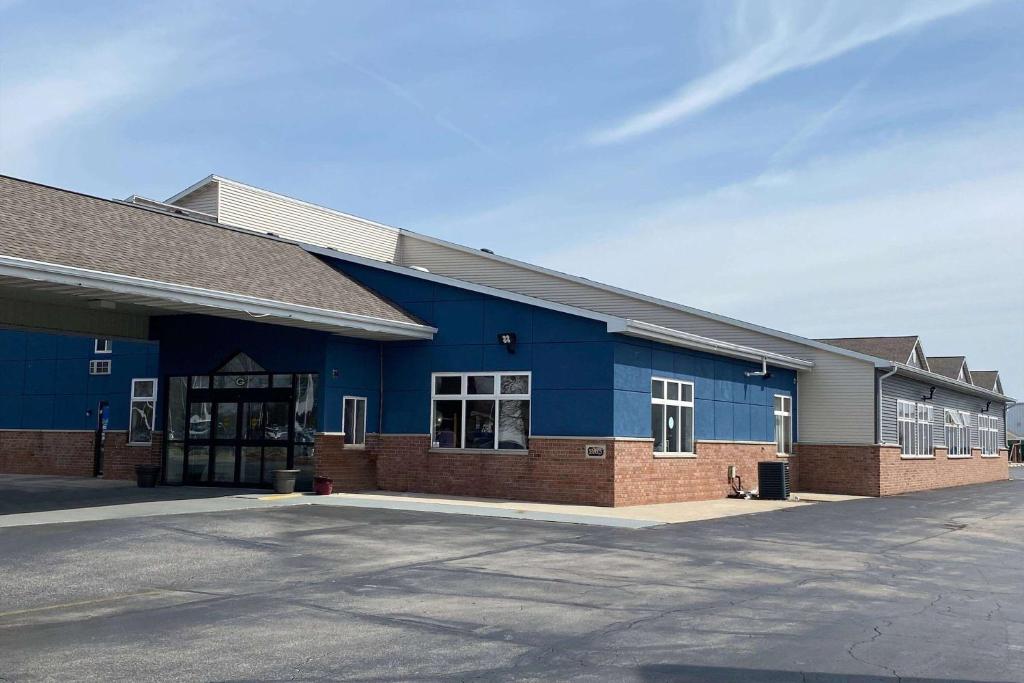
(264,211)
(915,428)
(205,199)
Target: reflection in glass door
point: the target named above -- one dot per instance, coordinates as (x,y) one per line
(237,426)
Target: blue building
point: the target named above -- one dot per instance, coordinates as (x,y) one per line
(260,354)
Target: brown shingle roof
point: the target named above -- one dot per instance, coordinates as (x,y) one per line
(896,349)
(948,366)
(57,226)
(986,379)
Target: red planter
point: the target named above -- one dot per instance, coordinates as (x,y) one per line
(323,486)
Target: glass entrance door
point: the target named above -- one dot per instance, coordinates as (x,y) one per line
(234,428)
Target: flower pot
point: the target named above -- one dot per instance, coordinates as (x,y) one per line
(323,486)
(146,476)
(284,481)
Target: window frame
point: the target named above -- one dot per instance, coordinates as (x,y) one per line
(496,396)
(108,345)
(962,433)
(988,435)
(345,426)
(919,418)
(787,415)
(132,400)
(96,364)
(681,404)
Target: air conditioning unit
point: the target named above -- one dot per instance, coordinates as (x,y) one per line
(773,480)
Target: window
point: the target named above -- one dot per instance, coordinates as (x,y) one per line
(958,433)
(99,367)
(988,434)
(140,422)
(783,424)
(672,416)
(480,410)
(914,421)
(103,346)
(353,420)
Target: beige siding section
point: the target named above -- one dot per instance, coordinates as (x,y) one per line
(835,401)
(266,212)
(204,199)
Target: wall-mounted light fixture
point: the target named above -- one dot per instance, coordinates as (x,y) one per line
(930,396)
(988,404)
(508,340)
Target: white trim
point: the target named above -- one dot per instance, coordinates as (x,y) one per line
(133,399)
(496,396)
(916,427)
(916,457)
(191,188)
(97,363)
(741,443)
(947,382)
(96,345)
(680,403)
(124,284)
(614,324)
(668,335)
(787,422)
(344,427)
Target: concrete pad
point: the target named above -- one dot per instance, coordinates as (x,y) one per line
(635,517)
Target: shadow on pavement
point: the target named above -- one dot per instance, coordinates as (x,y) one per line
(32,493)
(682,673)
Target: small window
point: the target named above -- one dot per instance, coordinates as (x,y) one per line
(783,424)
(672,416)
(99,367)
(103,346)
(143,409)
(353,420)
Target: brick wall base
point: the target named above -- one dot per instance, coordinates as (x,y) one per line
(351,469)
(873,470)
(70,453)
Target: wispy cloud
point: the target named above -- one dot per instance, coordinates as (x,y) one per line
(125,66)
(767,40)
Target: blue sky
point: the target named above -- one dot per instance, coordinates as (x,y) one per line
(826,168)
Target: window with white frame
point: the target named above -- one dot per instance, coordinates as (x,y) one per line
(958,432)
(783,424)
(988,434)
(103,346)
(672,416)
(487,410)
(143,404)
(99,367)
(353,420)
(914,421)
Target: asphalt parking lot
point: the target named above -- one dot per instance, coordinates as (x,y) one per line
(924,586)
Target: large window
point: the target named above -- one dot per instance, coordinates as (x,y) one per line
(140,423)
(480,410)
(988,434)
(914,421)
(783,424)
(958,433)
(353,420)
(672,416)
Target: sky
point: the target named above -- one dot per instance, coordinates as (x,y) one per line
(824,168)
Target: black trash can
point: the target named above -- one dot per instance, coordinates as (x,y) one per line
(147,475)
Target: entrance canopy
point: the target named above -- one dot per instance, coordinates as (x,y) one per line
(75,263)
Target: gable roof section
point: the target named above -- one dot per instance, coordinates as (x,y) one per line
(58,234)
(895,349)
(948,366)
(987,379)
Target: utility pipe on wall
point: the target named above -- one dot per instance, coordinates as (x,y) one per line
(878,408)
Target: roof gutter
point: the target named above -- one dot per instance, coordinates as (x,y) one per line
(948,382)
(256,307)
(667,335)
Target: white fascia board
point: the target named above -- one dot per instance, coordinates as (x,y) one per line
(461,284)
(192,188)
(41,271)
(949,382)
(667,335)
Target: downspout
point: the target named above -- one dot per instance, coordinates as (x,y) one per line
(878,403)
